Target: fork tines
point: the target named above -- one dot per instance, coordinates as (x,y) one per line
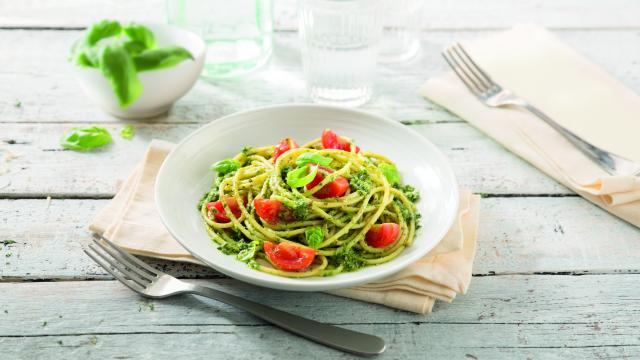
(125,267)
(468,71)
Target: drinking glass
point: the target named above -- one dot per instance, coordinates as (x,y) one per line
(238,33)
(339,49)
(400,37)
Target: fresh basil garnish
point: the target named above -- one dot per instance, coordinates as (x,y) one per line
(390,172)
(314,236)
(224,167)
(313,158)
(301,176)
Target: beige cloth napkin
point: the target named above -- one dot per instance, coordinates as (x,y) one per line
(540,68)
(131,221)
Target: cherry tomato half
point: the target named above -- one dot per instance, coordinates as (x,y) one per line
(382,235)
(331,140)
(283,146)
(289,257)
(268,209)
(216,210)
(336,188)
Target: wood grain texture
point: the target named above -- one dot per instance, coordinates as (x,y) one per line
(504,316)
(517,235)
(42,168)
(439,14)
(46,91)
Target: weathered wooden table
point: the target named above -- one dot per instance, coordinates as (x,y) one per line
(555,277)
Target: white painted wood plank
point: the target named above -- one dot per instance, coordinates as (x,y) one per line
(47,92)
(505,317)
(439,14)
(409,341)
(516,235)
(41,168)
(509,299)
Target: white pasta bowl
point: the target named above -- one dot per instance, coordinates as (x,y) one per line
(160,88)
(185,176)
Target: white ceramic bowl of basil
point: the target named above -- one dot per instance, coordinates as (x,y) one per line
(161,87)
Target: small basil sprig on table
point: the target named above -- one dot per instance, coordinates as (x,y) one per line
(84,139)
(301,176)
(390,172)
(314,236)
(313,158)
(224,167)
(127,132)
(121,52)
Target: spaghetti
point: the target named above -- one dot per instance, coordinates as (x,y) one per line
(315,210)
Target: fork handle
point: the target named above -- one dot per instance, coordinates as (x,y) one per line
(333,336)
(612,163)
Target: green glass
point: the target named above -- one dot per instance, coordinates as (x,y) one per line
(238,33)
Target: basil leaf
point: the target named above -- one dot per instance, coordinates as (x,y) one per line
(159,58)
(141,34)
(314,236)
(134,47)
(248,251)
(299,177)
(85,55)
(127,132)
(313,158)
(82,59)
(83,139)
(224,167)
(117,66)
(78,55)
(390,172)
(102,30)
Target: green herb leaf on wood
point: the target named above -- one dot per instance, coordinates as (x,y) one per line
(84,139)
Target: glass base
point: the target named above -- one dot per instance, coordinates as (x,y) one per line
(399,54)
(350,97)
(227,59)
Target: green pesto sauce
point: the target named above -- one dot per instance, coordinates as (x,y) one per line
(361,182)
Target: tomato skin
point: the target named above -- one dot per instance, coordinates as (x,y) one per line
(268,209)
(331,140)
(219,215)
(289,257)
(283,146)
(336,188)
(382,235)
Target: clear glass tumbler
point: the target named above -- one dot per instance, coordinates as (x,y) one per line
(340,41)
(400,37)
(238,33)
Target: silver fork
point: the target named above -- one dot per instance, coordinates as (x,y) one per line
(152,283)
(493,95)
